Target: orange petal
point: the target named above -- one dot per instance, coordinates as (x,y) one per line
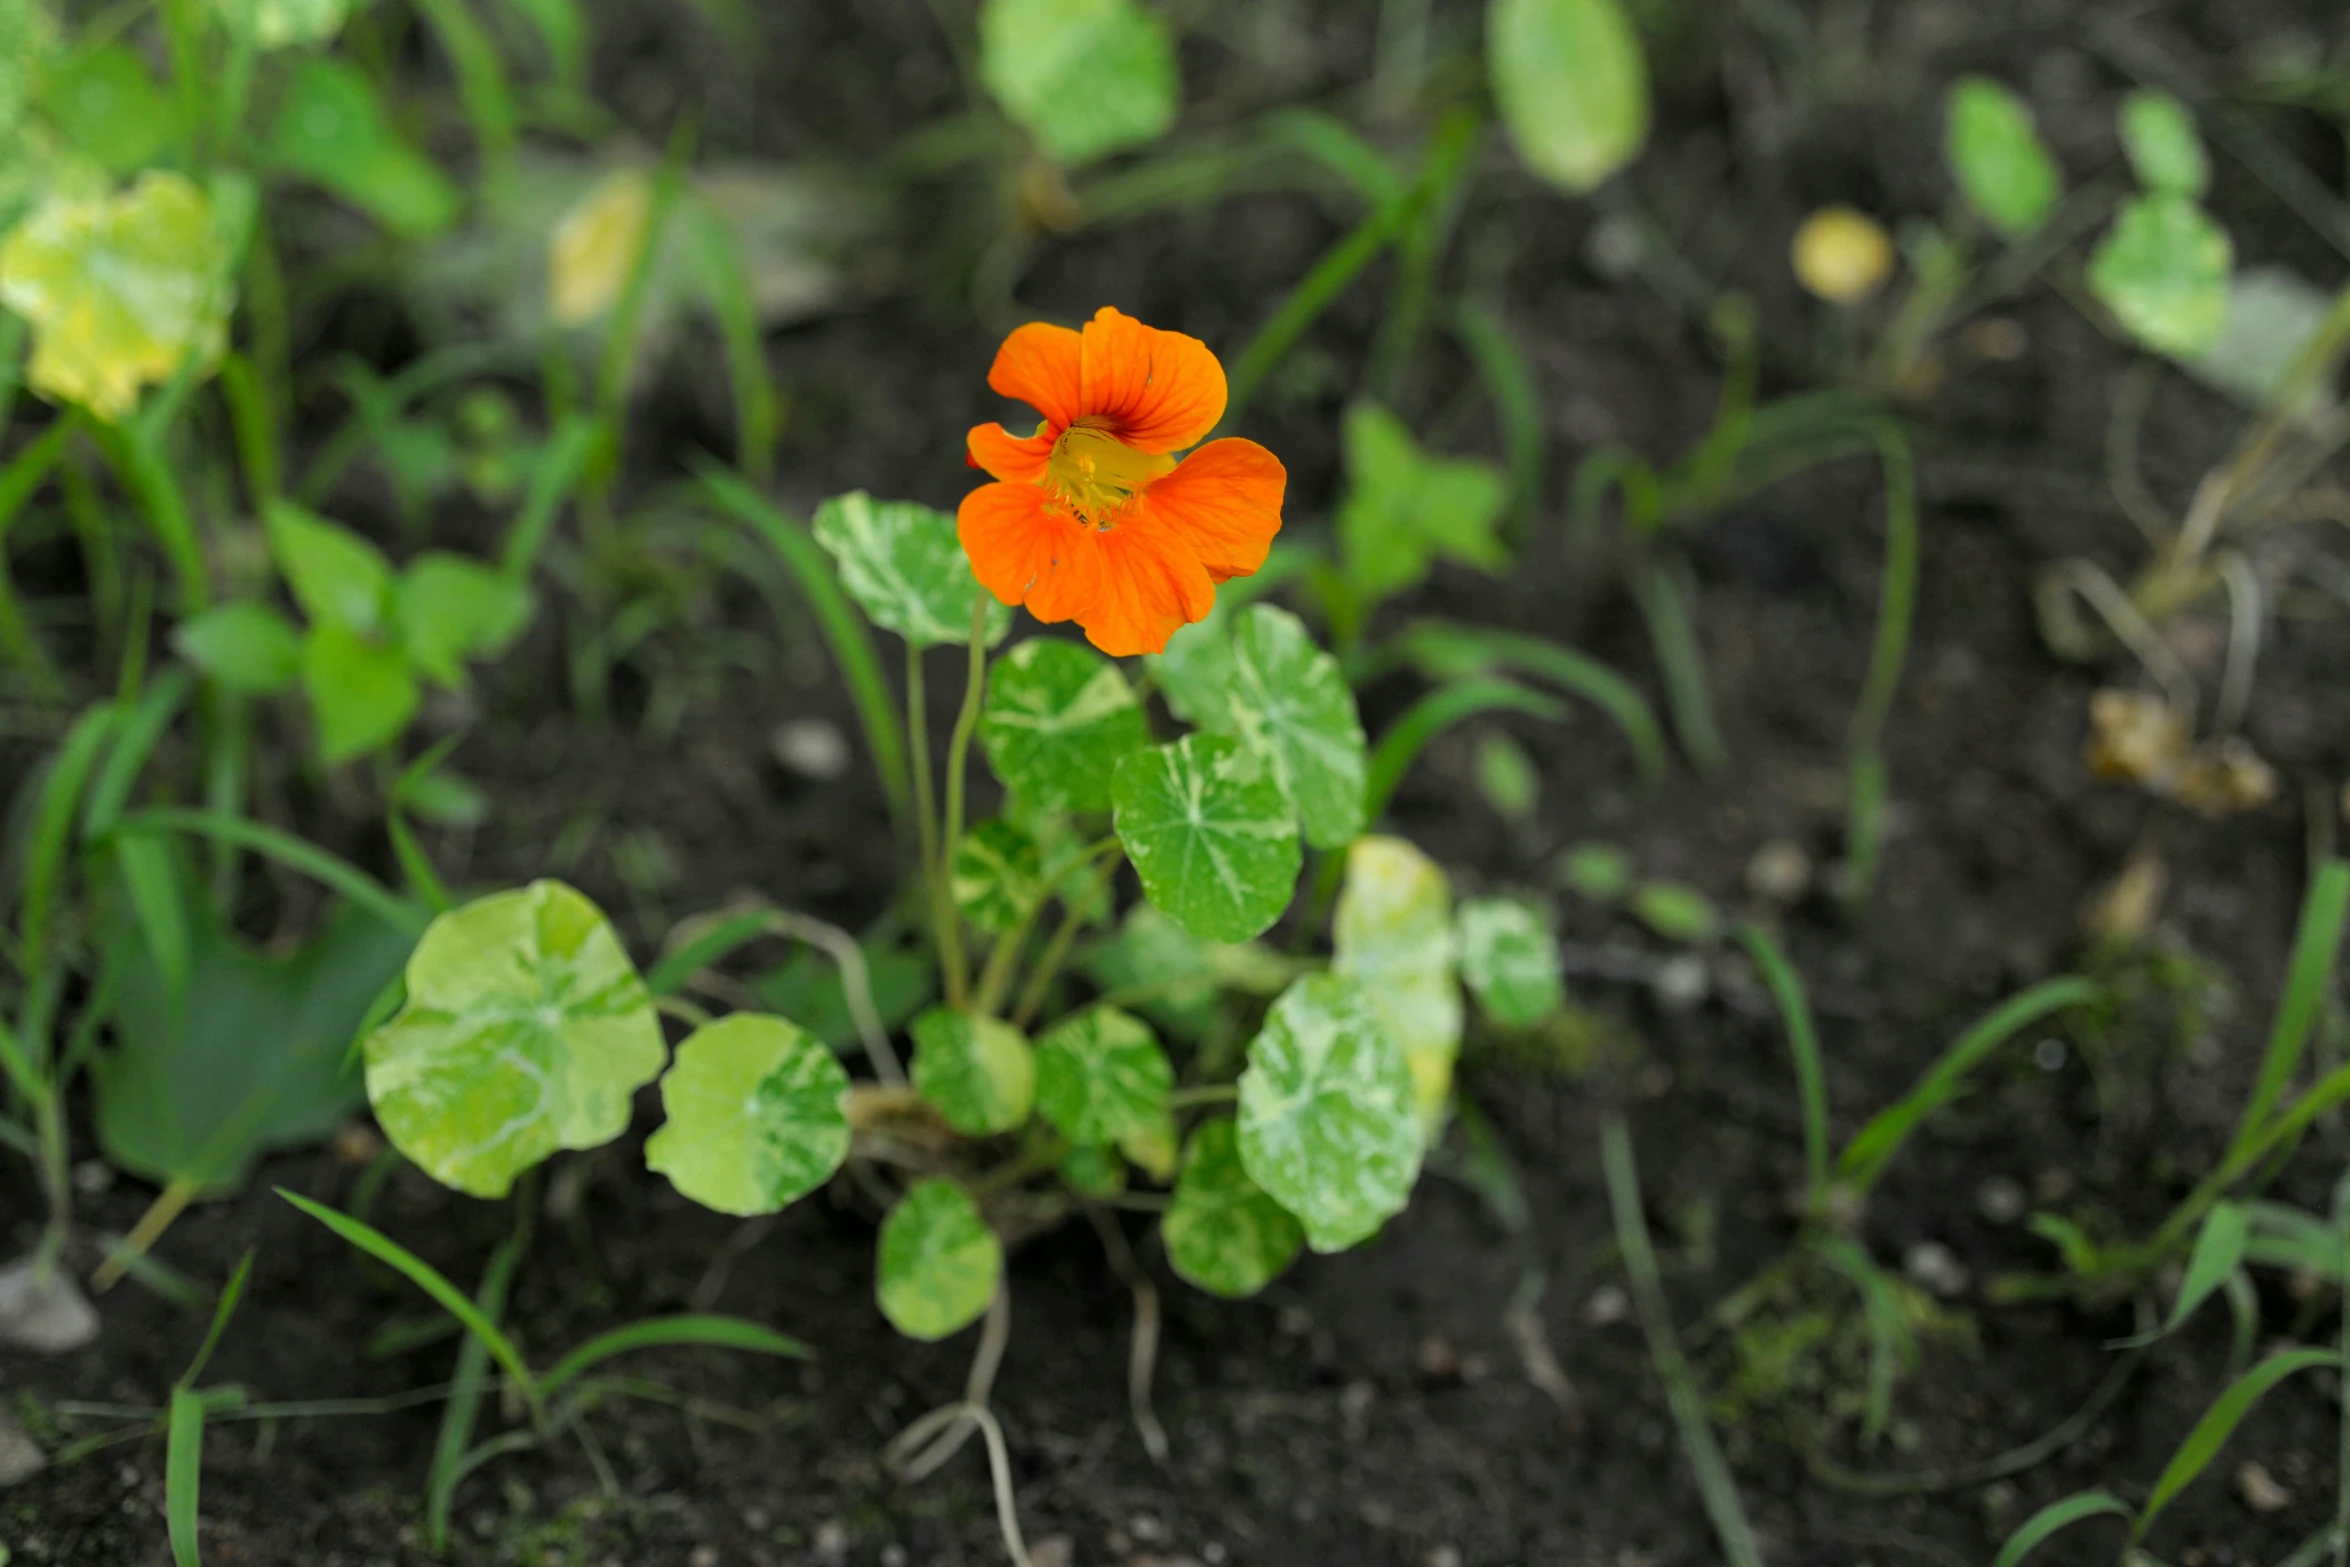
(1224,500)
(1025,548)
(1159,391)
(1152,586)
(1038,364)
(1009,458)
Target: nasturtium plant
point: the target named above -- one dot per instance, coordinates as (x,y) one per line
(1180,977)
(2165,151)
(1329,1122)
(2164,272)
(939,1262)
(332,129)
(998,875)
(1393,936)
(122,290)
(1404,508)
(526,1029)
(1571,85)
(1058,720)
(1101,1076)
(977,1072)
(1210,835)
(1994,149)
(1510,961)
(757,1115)
(903,565)
(1093,1171)
(1293,708)
(279,24)
(1223,1232)
(1083,77)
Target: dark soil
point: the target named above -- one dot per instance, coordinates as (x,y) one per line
(1372,1408)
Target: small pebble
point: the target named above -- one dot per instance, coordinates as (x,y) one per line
(703,1556)
(1054,1550)
(1608,1304)
(1780,871)
(813,748)
(2260,1490)
(893,1555)
(1442,1556)
(1936,1266)
(93,1178)
(2000,1200)
(832,1543)
(1682,981)
(50,1315)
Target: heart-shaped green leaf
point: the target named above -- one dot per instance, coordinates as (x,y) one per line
(977,1072)
(1101,1076)
(1294,708)
(905,566)
(339,578)
(450,609)
(1393,936)
(245,646)
(1511,961)
(757,1115)
(997,877)
(361,691)
(1995,152)
(1058,718)
(1329,1124)
(939,1262)
(1209,834)
(1404,507)
(2164,272)
(526,1029)
(1084,77)
(1571,85)
(1223,1232)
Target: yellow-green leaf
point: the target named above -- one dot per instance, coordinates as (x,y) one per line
(1394,938)
(1571,84)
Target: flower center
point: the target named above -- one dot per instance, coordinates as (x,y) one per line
(1098,474)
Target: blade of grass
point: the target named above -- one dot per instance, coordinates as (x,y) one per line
(551,484)
(2308,981)
(481,84)
(1420,250)
(2219,1422)
(1891,1342)
(726,280)
(1803,1044)
(430,1280)
(2219,1252)
(1429,717)
(1865,1157)
(183,1466)
(59,802)
(467,1383)
(1444,651)
(1509,381)
(1714,1485)
(229,1296)
(2055,1517)
(314,862)
(1663,597)
(663,1332)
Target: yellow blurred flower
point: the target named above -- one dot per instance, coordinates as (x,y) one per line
(1842,255)
(595,247)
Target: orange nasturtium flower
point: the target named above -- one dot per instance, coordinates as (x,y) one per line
(1093,518)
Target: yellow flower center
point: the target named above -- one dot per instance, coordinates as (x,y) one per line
(1098,474)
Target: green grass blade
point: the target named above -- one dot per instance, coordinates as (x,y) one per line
(1429,717)
(312,861)
(454,1444)
(1509,381)
(2057,1516)
(2219,1423)
(1866,1156)
(59,801)
(428,1279)
(662,1332)
(1803,1044)
(726,283)
(2342,1480)
(2219,1251)
(1314,293)
(481,83)
(142,730)
(234,1292)
(850,638)
(1714,1485)
(1443,650)
(2316,943)
(1897,597)
(1663,598)
(551,484)
(668,976)
(1891,1343)
(1444,176)
(1334,144)
(183,1465)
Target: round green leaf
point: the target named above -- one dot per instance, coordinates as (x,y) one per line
(120,290)
(1209,834)
(997,877)
(977,1072)
(1676,911)
(1329,1123)
(905,567)
(245,646)
(1393,936)
(757,1115)
(2159,134)
(361,692)
(1084,77)
(1571,85)
(526,1029)
(1295,709)
(940,1263)
(1101,1076)
(1511,961)
(2164,273)
(1994,150)
(1058,718)
(1222,1232)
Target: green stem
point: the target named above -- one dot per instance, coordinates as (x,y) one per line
(997,979)
(926,824)
(951,955)
(1057,951)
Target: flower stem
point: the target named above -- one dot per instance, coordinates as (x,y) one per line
(934,884)
(996,979)
(951,957)
(1032,998)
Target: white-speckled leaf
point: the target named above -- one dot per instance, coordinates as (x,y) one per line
(1223,1232)
(977,1072)
(1393,935)
(997,877)
(1294,708)
(939,1262)
(757,1115)
(526,1030)
(905,566)
(1059,718)
(1329,1122)
(1195,673)
(1102,1076)
(1511,961)
(1209,834)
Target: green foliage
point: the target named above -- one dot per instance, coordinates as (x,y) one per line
(1293,708)
(1393,937)
(1329,1124)
(1571,85)
(332,130)
(1507,777)
(1223,1232)
(1405,508)
(2159,135)
(998,876)
(977,1072)
(1210,834)
(1602,872)
(1511,961)
(525,1030)
(109,107)
(1058,719)
(1084,77)
(1676,911)
(906,569)
(278,24)
(1101,1077)
(2164,273)
(1994,149)
(756,1115)
(246,646)
(939,1262)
